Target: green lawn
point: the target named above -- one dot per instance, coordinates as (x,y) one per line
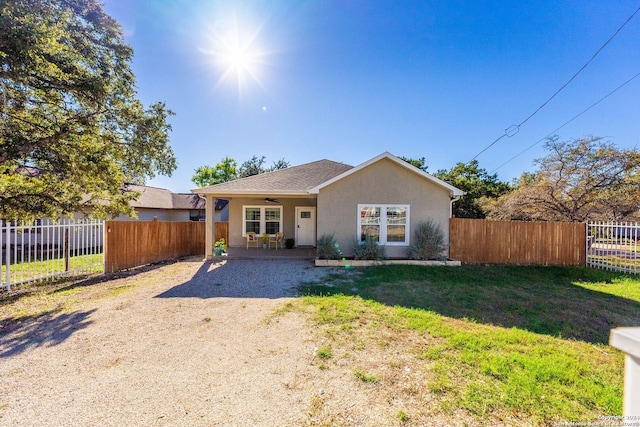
(503,343)
(616,261)
(86,263)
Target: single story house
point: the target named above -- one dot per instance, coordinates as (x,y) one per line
(384,196)
(166,205)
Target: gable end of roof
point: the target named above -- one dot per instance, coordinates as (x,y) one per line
(454,192)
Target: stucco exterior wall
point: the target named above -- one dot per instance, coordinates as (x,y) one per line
(383,182)
(288,215)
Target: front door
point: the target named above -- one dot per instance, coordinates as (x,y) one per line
(305,226)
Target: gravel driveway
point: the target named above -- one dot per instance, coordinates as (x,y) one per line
(186,344)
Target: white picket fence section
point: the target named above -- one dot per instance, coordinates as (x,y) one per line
(614,246)
(46,250)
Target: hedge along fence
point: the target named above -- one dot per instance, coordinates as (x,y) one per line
(478,241)
(134,243)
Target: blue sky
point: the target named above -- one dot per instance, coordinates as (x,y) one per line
(347,80)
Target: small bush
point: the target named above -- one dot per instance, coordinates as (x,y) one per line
(328,248)
(369,249)
(219,247)
(429,242)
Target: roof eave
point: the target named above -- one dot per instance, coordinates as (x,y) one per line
(223,194)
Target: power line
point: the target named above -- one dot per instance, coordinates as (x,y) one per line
(567,122)
(513,129)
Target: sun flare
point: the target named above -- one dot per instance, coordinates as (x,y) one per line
(236,52)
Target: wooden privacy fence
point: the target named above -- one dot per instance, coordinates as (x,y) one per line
(134,243)
(221,231)
(478,241)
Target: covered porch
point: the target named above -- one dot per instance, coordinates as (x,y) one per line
(293,216)
(279,201)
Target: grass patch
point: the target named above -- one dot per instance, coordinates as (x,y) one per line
(364,377)
(402,416)
(576,303)
(616,261)
(324,353)
(89,264)
(526,344)
(59,296)
(119,290)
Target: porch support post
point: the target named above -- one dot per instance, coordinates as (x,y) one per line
(209,209)
(628,340)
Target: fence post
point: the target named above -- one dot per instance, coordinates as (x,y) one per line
(66,249)
(628,340)
(586,244)
(7,252)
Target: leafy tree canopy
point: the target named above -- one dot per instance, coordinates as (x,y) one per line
(479,186)
(255,166)
(578,180)
(72,131)
(227,170)
(420,163)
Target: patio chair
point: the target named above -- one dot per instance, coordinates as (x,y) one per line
(252,239)
(277,238)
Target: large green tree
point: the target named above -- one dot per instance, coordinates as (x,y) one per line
(580,179)
(420,163)
(481,189)
(479,186)
(227,170)
(72,131)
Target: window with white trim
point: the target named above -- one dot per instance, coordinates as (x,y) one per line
(261,219)
(387,224)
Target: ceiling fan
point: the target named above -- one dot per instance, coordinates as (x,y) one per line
(270,200)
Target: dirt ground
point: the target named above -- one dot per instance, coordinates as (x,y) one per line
(195,344)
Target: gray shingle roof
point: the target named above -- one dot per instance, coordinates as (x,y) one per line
(161,198)
(296,179)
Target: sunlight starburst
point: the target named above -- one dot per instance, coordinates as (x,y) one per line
(236,52)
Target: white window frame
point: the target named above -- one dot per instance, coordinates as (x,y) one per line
(263,220)
(383,223)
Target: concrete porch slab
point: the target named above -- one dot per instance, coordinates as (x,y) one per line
(274,254)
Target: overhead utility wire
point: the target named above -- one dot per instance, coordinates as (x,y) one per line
(514,129)
(567,122)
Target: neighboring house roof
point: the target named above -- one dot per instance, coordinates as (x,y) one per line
(295,180)
(161,198)
(150,197)
(309,178)
(455,192)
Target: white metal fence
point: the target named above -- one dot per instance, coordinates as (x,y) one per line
(614,246)
(45,250)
